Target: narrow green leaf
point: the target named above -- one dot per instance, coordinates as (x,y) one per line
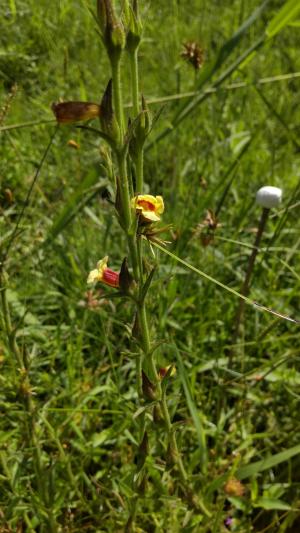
(287,13)
(100,438)
(147,284)
(223,286)
(192,408)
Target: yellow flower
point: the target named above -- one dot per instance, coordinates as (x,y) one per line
(68,112)
(104,274)
(148,206)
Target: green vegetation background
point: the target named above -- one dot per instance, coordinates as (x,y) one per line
(81,370)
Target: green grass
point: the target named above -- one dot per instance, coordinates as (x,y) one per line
(82,371)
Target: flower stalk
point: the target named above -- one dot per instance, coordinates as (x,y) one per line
(267,197)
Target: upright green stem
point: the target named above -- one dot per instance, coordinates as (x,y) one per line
(134,81)
(124,190)
(117,93)
(135,253)
(8,325)
(246,284)
(136,109)
(139,167)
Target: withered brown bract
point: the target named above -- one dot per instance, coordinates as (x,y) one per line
(68,112)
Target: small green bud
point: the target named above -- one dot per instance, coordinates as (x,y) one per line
(127,283)
(139,129)
(108,120)
(134,29)
(148,388)
(142,485)
(143,451)
(158,417)
(171,455)
(113,34)
(136,330)
(118,205)
(118,37)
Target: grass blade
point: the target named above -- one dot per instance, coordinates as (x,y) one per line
(286,14)
(223,286)
(192,408)
(75,204)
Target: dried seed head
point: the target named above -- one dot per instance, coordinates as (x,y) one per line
(234,487)
(206,229)
(193,53)
(269,197)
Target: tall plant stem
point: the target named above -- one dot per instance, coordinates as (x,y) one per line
(124,193)
(136,258)
(139,167)
(139,162)
(134,81)
(246,284)
(115,62)
(14,348)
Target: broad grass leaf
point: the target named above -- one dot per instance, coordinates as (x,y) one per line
(272,504)
(257,467)
(268,462)
(100,438)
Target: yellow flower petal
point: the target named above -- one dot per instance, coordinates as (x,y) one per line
(150,215)
(93,276)
(150,207)
(102,265)
(97,274)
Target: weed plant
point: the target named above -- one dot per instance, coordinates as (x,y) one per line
(97,433)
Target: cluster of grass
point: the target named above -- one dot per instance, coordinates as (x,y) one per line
(237,421)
